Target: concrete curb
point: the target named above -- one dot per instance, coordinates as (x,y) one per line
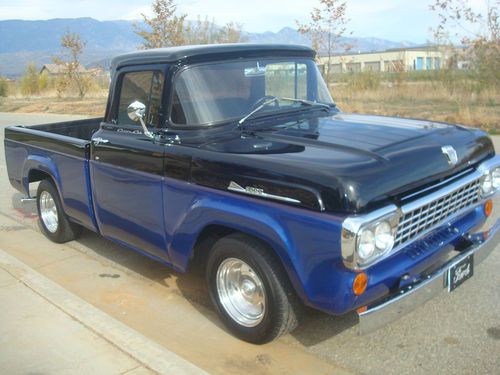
(142,349)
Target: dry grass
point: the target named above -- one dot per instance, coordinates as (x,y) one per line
(423,100)
(92,105)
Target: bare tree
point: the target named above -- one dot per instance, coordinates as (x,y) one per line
(205,31)
(477,30)
(231,32)
(164,28)
(458,20)
(72,71)
(201,31)
(327,27)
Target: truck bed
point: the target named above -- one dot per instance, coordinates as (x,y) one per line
(59,150)
(81,129)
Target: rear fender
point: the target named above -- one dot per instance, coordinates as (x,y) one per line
(43,164)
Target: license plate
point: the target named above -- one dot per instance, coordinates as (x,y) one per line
(460,272)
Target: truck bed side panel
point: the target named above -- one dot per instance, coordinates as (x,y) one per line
(63,158)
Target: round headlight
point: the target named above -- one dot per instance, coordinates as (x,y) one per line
(487,184)
(383,236)
(495,176)
(366,247)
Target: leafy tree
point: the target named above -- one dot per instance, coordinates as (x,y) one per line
(43,81)
(72,70)
(477,30)
(327,26)
(30,81)
(165,28)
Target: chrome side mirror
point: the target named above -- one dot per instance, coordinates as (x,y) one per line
(136,111)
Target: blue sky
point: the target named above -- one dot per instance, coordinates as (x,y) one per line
(389,19)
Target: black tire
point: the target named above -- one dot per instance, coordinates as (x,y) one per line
(282,307)
(65,230)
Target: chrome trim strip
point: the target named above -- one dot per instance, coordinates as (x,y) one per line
(481,169)
(233,186)
(407,300)
(469,170)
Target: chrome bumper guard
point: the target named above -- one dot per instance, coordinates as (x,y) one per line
(377,316)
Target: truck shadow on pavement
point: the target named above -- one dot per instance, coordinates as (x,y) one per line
(315,326)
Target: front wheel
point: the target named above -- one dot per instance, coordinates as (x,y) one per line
(250,289)
(53,221)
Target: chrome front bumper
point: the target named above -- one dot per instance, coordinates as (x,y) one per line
(407,300)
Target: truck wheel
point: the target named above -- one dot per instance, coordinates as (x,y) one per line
(250,290)
(53,221)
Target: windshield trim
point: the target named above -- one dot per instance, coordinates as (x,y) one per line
(228,121)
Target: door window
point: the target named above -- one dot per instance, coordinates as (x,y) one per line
(145,87)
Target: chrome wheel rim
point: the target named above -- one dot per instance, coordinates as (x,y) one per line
(48,212)
(241,292)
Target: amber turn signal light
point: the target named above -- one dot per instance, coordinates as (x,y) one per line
(362,309)
(360,283)
(488,208)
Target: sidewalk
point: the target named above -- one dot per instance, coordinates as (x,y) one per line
(45,329)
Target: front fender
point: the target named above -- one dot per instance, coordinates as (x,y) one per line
(259,224)
(302,239)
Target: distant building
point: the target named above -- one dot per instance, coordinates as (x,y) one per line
(56,69)
(391,60)
(99,72)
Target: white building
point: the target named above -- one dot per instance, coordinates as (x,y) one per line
(392,60)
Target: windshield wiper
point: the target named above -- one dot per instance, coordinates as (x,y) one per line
(308,102)
(276,99)
(266,103)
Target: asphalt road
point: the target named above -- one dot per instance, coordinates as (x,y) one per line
(456,333)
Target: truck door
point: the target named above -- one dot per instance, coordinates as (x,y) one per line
(127,166)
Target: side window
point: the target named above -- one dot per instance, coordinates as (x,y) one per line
(145,87)
(286,80)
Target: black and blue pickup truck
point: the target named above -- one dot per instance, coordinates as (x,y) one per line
(237,155)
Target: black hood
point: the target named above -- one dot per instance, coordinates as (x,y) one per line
(344,163)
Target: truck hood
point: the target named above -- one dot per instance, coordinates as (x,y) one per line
(343,163)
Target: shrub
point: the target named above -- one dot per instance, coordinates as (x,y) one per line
(367,80)
(30,84)
(4,90)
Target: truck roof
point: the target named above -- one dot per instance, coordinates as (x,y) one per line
(209,52)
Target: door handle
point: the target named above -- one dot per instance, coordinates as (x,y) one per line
(99,140)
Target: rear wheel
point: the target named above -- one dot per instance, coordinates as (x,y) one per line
(53,221)
(250,290)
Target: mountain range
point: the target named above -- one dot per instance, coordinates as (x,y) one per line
(37,41)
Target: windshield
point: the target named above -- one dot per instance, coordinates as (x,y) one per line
(219,92)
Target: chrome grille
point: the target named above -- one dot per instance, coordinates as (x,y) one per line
(432,213)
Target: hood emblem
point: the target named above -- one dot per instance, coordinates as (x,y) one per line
(451,155)
(258,192)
